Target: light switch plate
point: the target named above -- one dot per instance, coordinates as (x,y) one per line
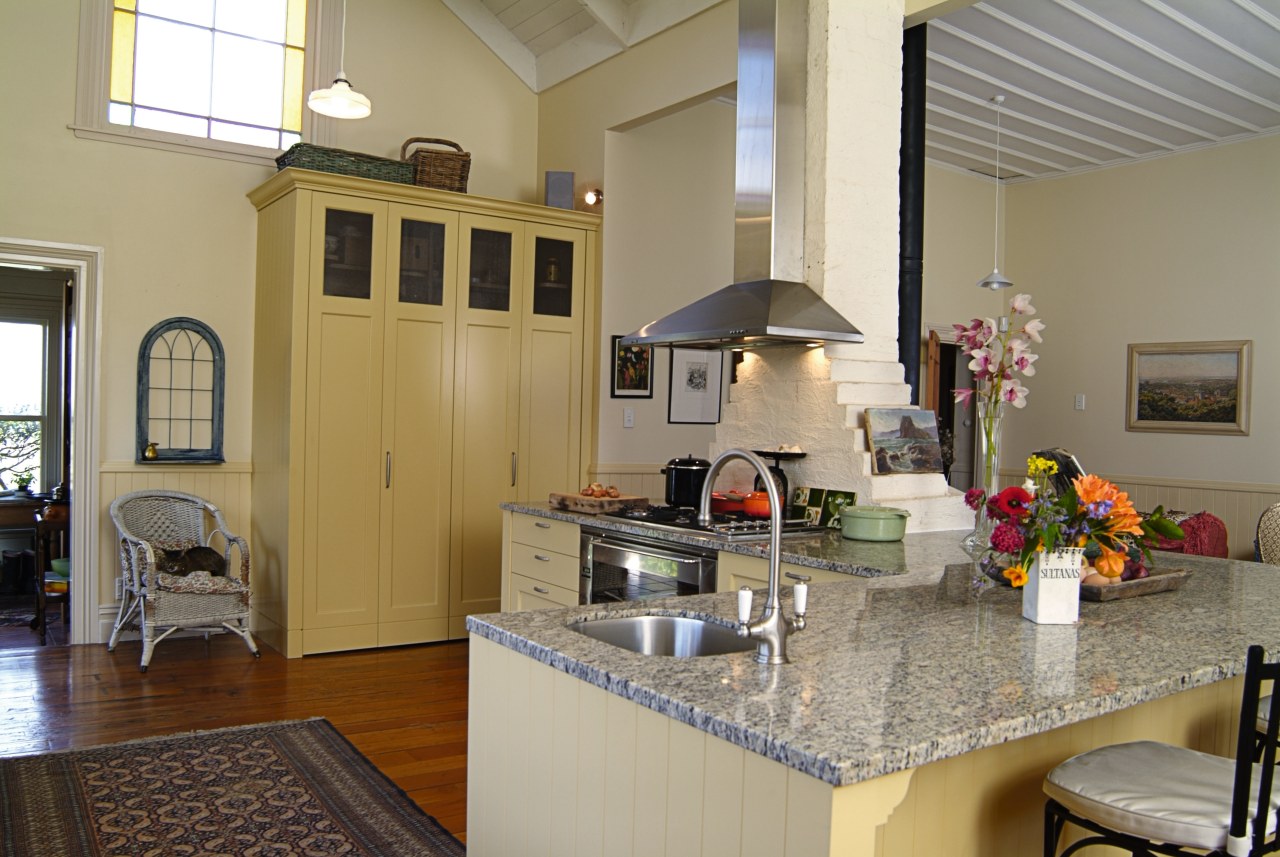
(1079,401)
(628,417)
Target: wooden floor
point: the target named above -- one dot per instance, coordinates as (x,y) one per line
(404,708)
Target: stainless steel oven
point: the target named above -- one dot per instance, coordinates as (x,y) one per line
(626,567)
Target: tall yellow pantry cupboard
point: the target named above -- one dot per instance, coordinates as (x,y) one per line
(419,357)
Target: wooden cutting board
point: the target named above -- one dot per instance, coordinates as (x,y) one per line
(594,505)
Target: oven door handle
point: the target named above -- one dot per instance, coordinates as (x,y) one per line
(616,553)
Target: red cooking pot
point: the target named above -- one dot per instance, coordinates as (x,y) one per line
(727,502)
(756,504)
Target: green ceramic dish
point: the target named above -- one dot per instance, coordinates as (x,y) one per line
(61,567)
(873,523)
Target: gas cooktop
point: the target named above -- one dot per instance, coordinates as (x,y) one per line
(731,527)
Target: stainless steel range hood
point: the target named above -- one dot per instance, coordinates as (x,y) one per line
(768,304)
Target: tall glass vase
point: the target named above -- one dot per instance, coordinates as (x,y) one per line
(986,472)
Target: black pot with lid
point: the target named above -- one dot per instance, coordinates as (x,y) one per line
(685,477)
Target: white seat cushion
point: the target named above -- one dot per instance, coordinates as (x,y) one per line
(198,582)
(1152,790)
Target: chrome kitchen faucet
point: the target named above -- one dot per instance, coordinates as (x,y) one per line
(772,628)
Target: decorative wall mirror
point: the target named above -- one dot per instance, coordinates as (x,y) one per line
(181,376)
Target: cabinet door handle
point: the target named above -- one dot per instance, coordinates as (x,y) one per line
(542,525)
(540,558)
(513,470)
(541,591)
(388,468)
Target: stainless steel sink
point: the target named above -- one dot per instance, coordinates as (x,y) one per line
(675,636)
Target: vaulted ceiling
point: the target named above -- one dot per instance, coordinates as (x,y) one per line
(1087,83)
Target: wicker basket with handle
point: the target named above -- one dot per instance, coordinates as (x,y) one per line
(437,168)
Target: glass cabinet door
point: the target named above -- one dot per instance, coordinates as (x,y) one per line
(422,262)
(348,253)
(552,277)
(490,273)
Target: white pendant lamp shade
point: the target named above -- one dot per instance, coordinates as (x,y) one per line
(996,280)
(340,100)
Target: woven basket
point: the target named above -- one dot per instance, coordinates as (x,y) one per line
(309,157)
(436,168)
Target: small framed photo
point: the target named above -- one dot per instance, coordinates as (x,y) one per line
(632,371)
(695,386)
(1189,387)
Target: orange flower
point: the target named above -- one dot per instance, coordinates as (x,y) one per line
(1016,575)
(1110,563)
(1124,518)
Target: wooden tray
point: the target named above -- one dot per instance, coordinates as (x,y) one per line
(1159,580)
(594,505)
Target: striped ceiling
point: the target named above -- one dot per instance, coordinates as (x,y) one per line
(1087,83)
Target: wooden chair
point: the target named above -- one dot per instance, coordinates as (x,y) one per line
(1152,798)
(53,541)
(151,523)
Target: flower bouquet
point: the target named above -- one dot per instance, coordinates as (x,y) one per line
(999,352)
(1093,515)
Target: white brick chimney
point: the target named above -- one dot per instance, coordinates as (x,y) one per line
(816,398)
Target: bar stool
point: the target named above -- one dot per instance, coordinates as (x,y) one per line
(1152,798)
(53,541)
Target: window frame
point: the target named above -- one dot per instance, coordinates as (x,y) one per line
(46,311)
(93,78)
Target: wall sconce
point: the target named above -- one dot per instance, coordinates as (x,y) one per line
(595,196)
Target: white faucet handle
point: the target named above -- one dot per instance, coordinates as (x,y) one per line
(744,605)
(802,598)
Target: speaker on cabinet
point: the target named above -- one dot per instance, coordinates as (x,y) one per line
(559,193)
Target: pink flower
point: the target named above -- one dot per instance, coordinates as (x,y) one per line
(1033,328)
(1012,392)
(974,497)
(1021,305)
(964,396)
(983,363)
(1020,358)
(1006,538)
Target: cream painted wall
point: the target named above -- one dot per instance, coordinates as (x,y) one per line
(177,229)
(657,76)
(1181,248)
(430,76)
(668,237)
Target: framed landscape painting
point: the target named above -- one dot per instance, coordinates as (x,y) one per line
(1195,387)
(903,440)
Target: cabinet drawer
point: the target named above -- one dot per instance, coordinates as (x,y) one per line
(547,566)
(545,533)
(529,594)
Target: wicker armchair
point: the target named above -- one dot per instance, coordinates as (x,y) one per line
(154,524)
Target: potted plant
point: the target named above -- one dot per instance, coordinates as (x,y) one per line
(23,481)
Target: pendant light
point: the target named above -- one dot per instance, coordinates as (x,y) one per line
(340,101)
(996,280)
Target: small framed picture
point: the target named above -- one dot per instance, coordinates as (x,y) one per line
(695,386)
(1189,387)
(632,371)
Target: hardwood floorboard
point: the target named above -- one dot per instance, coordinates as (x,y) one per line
(404,708)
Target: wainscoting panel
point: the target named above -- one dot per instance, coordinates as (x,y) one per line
(1238,504)
(642,479)
(227,486)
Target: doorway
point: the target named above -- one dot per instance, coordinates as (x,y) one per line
(81,266)
(948,371)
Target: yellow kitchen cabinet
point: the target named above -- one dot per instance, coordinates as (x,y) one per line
(404,384)
(735,570)
(540,565)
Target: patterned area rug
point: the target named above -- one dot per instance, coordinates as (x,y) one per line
(290,788)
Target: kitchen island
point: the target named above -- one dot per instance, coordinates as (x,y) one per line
(914,719)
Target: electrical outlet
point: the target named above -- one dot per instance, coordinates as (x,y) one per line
(628,417)
(1079,401)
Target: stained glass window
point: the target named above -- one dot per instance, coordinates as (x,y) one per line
(219,69)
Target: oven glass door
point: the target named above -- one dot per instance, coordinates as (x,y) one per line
(627,572)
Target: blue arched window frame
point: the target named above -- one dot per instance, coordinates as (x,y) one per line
(205,347)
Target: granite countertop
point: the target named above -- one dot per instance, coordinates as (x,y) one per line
(918,552)
(895,672)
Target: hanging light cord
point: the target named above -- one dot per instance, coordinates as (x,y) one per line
(995,251)
(342,66)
